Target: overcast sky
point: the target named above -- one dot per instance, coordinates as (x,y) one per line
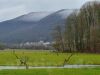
(12,8)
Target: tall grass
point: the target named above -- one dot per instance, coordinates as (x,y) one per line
(46,58)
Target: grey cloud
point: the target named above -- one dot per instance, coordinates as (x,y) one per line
(25,6)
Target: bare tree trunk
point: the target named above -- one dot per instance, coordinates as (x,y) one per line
(68,59)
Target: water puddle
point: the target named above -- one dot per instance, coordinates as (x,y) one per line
(66,66)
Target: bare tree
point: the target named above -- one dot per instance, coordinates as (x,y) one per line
(22,60)
(68,59)
(58,39)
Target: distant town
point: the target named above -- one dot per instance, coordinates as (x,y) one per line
(32,45)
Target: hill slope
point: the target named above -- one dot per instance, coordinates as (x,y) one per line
(34,26)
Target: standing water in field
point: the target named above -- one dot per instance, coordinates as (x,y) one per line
(66,66)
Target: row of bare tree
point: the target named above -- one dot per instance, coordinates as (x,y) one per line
(81,32)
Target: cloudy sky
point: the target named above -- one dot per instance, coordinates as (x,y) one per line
(13,8)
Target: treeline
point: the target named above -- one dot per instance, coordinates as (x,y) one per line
(81,32)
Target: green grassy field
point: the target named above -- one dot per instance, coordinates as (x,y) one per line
(83,71)
(46,58)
